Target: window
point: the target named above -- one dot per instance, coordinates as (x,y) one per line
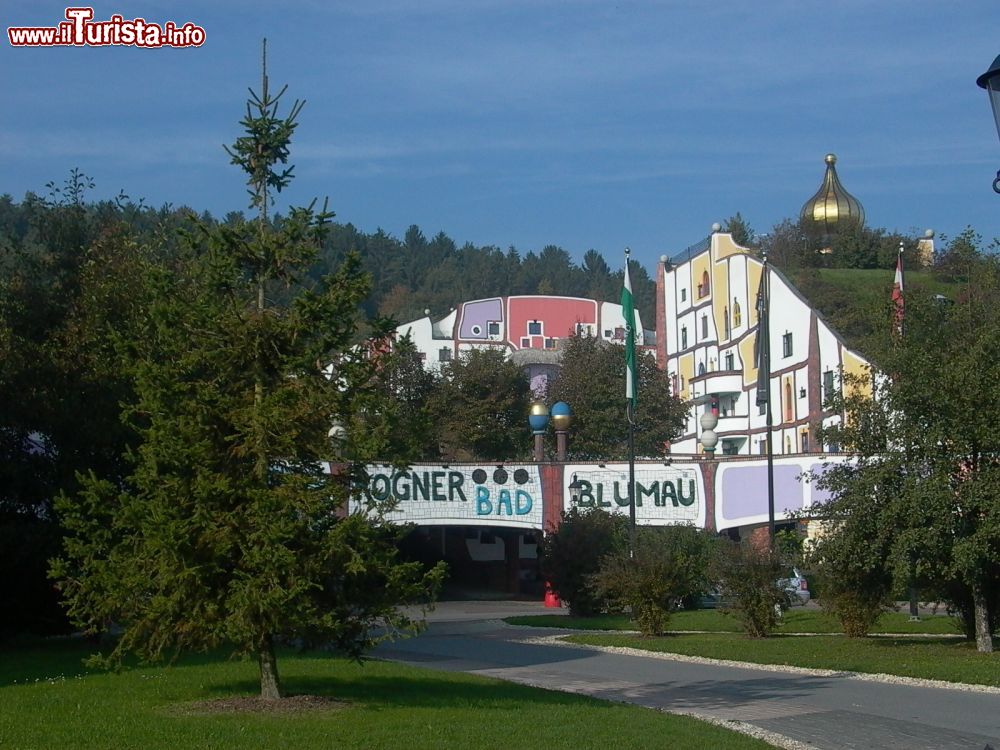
(684,295)
(730,361)
(525,343)
(789,406)
(493,328)
(619,334)
(703,287)
(701,368)
(725,321)
(737,316)
(762,446)
(805,442)
(762,409)
(827,384)
(550,343)
(788,444)
(704,326)
(444,355)
(684,337)
(786,344)
(535,328)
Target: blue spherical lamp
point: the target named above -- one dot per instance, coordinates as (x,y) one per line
(562,416)
(538,417)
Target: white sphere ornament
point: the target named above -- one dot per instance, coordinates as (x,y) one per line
(708,421)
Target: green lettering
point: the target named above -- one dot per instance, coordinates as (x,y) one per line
(668,490)
(380,487)
(400,492)
(686,501)
(455,480)
(421,487)
(653,491)
(438,485)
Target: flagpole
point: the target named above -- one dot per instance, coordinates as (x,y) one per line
(764,329)
(628,311)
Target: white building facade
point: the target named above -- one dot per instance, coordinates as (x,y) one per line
(706,332)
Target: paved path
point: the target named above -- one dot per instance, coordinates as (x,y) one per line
(823,712)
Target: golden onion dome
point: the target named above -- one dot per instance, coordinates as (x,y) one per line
(832,208)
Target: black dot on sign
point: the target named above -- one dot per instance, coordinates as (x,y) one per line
(500,476)
(521,476)
(479,476)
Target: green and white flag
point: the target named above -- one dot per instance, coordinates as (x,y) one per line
(628,311)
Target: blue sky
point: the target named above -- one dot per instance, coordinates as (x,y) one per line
(532,122)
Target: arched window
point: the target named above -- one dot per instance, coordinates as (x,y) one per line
(701,368)
(737,317)
(703,287)
(725,321)
(789,406)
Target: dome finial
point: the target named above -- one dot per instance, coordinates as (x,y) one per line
(832,208)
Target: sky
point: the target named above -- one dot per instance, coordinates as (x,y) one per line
(583,124)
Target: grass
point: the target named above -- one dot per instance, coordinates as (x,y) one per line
(714,621)
(49,700)
(930,657)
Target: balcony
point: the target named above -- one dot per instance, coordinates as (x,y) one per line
(716,383)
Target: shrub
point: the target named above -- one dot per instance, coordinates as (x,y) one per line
(670,563)
(572,553)
(747,579)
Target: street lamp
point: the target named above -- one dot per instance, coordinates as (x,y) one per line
(708,437)
(990,80)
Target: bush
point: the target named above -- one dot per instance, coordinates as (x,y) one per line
(858,611)
(670,563)
(855,579)
(572,553)
(747,579)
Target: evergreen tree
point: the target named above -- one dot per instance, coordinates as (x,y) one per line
(229,531)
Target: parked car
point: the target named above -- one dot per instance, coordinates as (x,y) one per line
(796,586)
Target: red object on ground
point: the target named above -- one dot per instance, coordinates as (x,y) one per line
(551,600)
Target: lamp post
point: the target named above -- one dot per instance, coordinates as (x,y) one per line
(708,437)
(990,80)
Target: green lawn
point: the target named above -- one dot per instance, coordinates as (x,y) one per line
(796,620)
(48,700)
(929,658)
(932,657)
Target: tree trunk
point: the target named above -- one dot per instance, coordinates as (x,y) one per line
(270,686)
(984,639)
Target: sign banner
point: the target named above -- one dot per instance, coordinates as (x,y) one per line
(482,495)
(664,495)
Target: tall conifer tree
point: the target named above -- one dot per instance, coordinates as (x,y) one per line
(229,530)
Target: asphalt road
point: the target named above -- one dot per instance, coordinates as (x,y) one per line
(833,712)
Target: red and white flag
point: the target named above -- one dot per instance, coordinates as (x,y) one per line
(897,290)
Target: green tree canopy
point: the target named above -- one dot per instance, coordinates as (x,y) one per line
(924,493)
(592,381)
(481,408)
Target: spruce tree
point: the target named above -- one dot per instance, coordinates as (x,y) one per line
(230,532)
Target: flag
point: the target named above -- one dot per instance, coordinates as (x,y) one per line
(762,345)
(897,290)
(628,311)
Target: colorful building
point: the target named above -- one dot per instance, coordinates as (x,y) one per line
(707,307)
(528,327)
